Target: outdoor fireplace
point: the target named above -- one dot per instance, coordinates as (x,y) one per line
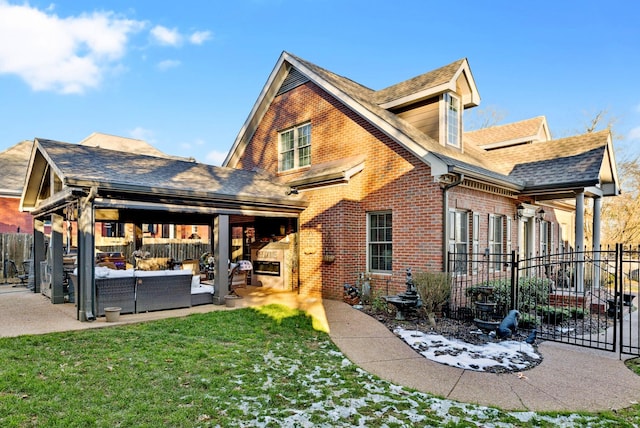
(271,265)
(264,267)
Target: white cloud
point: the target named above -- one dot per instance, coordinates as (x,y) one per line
(143,134)
(199,37)
(65,55)
(167,64)
(166,36)
(215,157)
(634,134)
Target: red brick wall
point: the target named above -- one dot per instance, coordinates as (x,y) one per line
(335,221)
(11,218)
(392,179)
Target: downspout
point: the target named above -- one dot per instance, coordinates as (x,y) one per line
(445,222)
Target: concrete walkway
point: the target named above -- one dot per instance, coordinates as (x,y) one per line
(570,378)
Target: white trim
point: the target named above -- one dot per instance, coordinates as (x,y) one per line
(268,94)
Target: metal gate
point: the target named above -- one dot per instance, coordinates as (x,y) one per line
(583,298)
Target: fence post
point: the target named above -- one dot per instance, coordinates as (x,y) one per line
(514,280)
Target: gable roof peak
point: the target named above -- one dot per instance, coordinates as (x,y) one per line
(454,77)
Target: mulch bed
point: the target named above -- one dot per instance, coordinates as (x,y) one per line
(468,332)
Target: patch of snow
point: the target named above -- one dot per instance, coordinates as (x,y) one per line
(511,354)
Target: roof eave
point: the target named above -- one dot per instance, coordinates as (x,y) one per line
(210,197)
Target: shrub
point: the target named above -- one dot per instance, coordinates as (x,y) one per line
(434,289)
(378,303)
(577,313)
(552,314)
(528,321)
(532,291)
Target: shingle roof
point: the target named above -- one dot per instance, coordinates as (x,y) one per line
(82,165)
(123,144)
(367,98)
(493,166)
(553,160)
(427,80)
(506,159)
(13,164)
(582,168)
(524,130)
(15,160)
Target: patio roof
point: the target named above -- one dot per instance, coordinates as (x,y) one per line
(125,180)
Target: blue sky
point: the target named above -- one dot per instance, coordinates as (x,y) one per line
(184,76)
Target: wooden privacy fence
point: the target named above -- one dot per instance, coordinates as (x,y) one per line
(178,249)
(16,247)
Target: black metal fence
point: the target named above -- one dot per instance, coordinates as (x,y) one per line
(584,298)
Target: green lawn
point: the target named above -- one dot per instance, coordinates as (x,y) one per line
(248,367)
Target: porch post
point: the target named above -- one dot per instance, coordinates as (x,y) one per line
(579,243)
(221,255)
(86,245)
(38,252)
(55,257)
(597,207)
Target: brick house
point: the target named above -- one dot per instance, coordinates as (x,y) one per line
(13,163)
(393,181)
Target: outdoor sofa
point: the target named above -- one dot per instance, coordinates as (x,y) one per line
(136,291)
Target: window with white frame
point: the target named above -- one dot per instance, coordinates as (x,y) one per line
(496,240)
(475,234)
(453,119)
(545,238)
(459,240)
(295,147)
(380,241)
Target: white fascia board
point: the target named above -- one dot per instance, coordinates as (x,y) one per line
(473,99)
(424,94)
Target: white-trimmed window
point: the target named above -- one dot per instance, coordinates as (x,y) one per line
(475,235)
(545,238)
(380,241)
(459,239)
(295,147)
(496,240)
(453,119)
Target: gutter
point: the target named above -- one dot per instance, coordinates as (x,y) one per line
(445,222)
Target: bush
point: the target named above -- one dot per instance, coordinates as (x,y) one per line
(532,291)
(552,314)
(528,321)
(434,289)
(577,313)
(378,303)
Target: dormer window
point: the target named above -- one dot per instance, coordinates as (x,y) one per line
(295,147)
(453,119)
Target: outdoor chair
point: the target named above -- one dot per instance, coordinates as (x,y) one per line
(12,271)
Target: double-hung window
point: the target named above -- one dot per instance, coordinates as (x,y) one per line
(459,240)
(545,238)
(380,242)
(295,147)
(496,239)
(453,119)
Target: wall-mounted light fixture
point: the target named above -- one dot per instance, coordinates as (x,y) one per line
(519,210)
(540,215)
(291,191)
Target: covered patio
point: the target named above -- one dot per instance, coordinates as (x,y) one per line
(84,185)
